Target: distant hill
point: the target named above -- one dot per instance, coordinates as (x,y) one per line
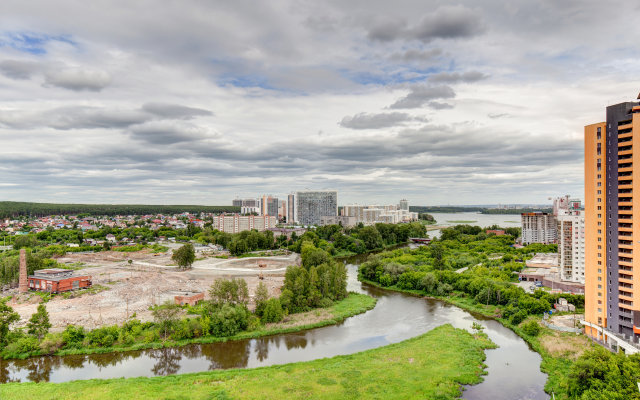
(15,209)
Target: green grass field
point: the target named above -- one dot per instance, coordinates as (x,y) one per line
(430,366)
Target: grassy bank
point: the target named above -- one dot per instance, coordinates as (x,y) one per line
(353,304)
(431,366)
(557,349)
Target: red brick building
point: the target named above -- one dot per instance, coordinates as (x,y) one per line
(55,280)
(190,298)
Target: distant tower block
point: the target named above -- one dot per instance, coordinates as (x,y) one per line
(24,283)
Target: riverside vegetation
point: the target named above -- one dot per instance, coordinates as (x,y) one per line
(430,366)
(320,282)
(577,369)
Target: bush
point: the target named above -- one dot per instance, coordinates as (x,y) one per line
(73,336)
(518,317)
(52,342)
(228,320)
(26,344)
(531,328)
(272,311)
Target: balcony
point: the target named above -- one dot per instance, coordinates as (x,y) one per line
(625,246)
(625,127)
(625,263)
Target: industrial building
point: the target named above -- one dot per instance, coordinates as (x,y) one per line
(56,280)
(612,281)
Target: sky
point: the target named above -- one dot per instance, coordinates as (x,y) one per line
(198,102)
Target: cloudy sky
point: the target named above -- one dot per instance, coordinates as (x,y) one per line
(195,102)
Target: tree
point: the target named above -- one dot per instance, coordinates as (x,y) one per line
(166,316)
(273,311)
(7,317)
(184,256)
(229,291)
(262,295)
(39,324)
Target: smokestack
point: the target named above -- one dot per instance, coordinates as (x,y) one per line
(24,284)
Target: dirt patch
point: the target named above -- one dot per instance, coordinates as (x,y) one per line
(567,345)
(301,319)
(149,279)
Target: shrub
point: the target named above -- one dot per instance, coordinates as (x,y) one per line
(518,317)
(531,328)
(73,336)
(229,320)
(52,342)
(26,344)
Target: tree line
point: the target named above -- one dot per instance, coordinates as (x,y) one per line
(9,209)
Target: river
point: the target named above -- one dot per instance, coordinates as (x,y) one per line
(513,368)
(474,218)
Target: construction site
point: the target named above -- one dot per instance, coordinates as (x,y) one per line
(127,285)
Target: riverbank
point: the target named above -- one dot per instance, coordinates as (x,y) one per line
(353,304)
(557,349)
(433,365)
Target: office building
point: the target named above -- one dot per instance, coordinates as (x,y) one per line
(311,206)
(538,227)
(612,272)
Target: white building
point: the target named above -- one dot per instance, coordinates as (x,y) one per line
(234,223)
(373,214)
(571,245)
(539,227)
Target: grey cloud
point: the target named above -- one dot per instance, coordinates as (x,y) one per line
(174,111)
(417,55)
(447,22)
(374,121)
(78,79)
(456,77)
(420,95)
(16,69)
(436,105)
(168,132)
(498,115)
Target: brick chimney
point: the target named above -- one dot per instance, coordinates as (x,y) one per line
(24,282)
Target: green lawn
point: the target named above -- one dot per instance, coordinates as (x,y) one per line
(431,366)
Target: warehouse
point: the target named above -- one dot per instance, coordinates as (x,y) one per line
(56,280)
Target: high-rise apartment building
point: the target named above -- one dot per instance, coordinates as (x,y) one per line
(571,242)
(538,227)
(404,205)
(311,206)
(270,206)
(291,208)
(612,271)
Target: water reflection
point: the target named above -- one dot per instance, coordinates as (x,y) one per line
(168,360)
(228,354)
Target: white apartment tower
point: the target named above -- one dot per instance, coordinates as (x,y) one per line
(539,227)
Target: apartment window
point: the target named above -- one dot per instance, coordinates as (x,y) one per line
(599,301)
(599,184)
(599,262)
(599,191)
(599,149)
(599,215)
(599,286)
(600,279)
(599,223)
(599,294)
(599,134)
(599,176)
(599,208)
(599,271)
(599,200)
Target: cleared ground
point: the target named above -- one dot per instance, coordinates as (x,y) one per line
(149,279)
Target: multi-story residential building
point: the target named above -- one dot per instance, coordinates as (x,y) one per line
(291,208)
(612,277)
(538,227)
(234,223)
(403,205)
(311,206)
(270,205)
(373,214)
(571,245)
